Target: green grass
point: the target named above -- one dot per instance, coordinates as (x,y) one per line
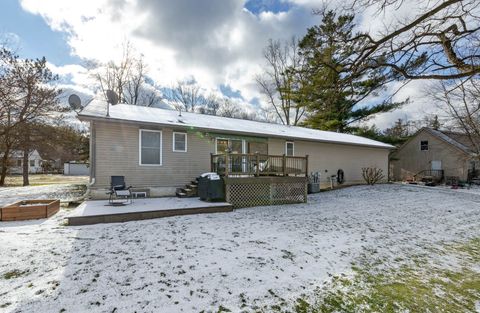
(423,285)
(14,274)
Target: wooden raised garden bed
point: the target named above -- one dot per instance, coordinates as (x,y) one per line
(29,210)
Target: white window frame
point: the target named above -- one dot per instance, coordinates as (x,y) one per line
(140,146)
(173,141)
(30,161)
(286,148)
(428,145)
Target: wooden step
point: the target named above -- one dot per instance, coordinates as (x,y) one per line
(181,195)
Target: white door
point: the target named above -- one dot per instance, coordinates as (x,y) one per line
(436,165)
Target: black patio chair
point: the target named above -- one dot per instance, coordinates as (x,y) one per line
(119,190)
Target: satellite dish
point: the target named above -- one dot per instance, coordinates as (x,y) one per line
(112,97)
(75,102)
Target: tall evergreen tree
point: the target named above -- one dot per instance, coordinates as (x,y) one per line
(333,95)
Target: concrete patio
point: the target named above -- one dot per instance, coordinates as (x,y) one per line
(98,211)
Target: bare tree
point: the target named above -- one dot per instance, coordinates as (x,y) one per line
(442,42)
(228,109)
(211,105)
(7,109)
(128,79)
(278,83)
(187,96)
(461,103)
(30,98)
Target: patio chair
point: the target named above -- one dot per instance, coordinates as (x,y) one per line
(119,191)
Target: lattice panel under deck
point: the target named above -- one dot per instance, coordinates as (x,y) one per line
(265,193)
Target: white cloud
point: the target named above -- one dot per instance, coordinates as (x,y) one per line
(419,105)
(217,42)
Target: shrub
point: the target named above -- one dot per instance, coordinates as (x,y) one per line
(372,175)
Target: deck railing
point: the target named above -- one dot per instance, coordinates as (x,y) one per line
(240,164)
(437,175)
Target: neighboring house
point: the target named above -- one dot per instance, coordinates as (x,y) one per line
(160,149)
(430,151)
(34,162)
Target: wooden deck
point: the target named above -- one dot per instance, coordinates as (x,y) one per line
(95,212)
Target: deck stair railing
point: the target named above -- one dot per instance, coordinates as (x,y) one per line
(435,176)
(254,165)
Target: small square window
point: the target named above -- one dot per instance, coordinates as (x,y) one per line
(424,145)
(179,142)
(289,148)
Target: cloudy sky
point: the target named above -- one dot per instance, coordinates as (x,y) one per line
(218,43)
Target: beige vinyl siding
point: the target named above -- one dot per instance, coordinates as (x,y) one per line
(410,160)
(328,158)
(117,153)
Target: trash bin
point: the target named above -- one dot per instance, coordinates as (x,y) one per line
(210,187)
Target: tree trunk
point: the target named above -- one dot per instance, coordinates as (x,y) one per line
(25,167)
(4,166)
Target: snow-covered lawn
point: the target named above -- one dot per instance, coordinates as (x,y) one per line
(64,192)
(249,260)
(45,179)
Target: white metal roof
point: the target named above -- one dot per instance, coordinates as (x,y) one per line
(141,114)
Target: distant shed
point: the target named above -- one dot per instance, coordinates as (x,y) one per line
(76,169)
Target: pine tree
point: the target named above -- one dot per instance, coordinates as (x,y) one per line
(332,94)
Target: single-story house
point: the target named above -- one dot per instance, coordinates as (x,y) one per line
(429,150)
(34,162)
(163,149)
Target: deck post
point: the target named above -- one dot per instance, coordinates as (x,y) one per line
(211,162)
(306,165)
(227,164)
(257,160)
(284,165)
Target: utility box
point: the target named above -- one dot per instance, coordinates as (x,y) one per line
(313,187)
(211,187)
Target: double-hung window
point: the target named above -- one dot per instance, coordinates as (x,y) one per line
(289,148)
(150,147)
(179,142)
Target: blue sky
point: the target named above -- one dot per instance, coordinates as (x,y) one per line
(36,38)
(275,6)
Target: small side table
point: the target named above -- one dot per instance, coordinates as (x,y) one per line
(139,194)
